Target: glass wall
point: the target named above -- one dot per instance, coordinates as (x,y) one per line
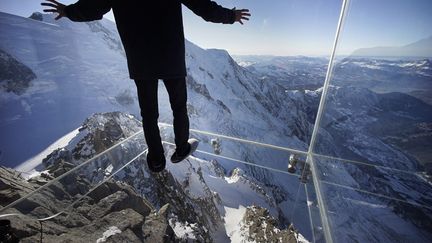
(371,152)
(314,117)
(66,100)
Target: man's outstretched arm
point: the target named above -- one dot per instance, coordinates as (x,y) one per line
(83,10)
(212,12)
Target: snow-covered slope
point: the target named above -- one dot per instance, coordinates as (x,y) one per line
(293,73)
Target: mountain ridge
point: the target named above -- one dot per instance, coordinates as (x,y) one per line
(420,48)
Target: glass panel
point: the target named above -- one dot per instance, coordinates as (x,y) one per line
(358,216)
(314,213)
(69,71)
(373,111)
(223,198)
(64,183)
(60,74)
(264,167)
(372,153)
(281,56)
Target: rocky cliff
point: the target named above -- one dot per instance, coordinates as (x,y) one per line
(113,212)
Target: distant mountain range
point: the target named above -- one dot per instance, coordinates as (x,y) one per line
(421,48)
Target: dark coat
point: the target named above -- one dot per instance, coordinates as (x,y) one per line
(151,31)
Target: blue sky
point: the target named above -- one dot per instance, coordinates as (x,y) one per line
(299,27)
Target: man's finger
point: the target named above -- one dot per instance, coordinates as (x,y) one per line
(243,10)
(245,18)
(49,5)
(58,17)
(50,10)
(53,1)
(246,14)
(241,22)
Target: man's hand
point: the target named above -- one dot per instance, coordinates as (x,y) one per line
(56,7)
(241,14)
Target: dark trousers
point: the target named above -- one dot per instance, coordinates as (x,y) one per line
(148,101)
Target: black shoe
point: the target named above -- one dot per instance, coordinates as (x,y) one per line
(193,144)
(155,165)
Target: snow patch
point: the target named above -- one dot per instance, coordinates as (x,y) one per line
(113,230)
(32,163)
(233,178)
(233,218)
(34,173)
(108,170)
(183,231)
(300,239)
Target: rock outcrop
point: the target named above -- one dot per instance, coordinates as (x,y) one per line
(14,76)
(113,212)
(262,227)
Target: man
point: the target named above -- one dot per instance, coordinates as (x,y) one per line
(153,38)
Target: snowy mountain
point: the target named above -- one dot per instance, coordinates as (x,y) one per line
(81,70)
(412,77)
(293,73)
(407,75)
